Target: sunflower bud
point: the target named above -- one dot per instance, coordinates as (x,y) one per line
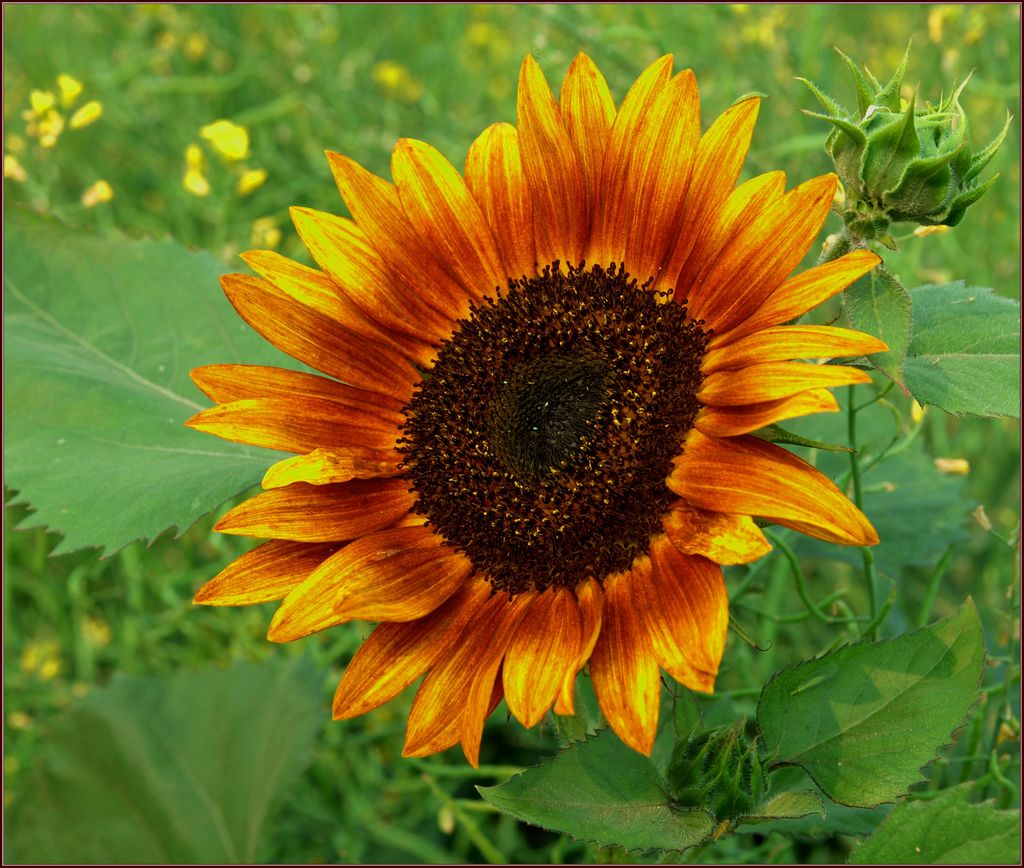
(718,771)
(901,162)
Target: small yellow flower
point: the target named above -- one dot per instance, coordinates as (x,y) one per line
(15,144)
(194,157)
(49,670)
(42,101)
(196,46)
(925,231)
(49,128)
(250,180)
(91,112)
(265,233)
(916,412)
(230,139)
(167,41)
(19,720)
(195,182)
(96,632)
(479,34)
(70,89)
(13,169)
(396,81)
(958,466)
(97,194)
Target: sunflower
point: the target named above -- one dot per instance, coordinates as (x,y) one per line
(532,446)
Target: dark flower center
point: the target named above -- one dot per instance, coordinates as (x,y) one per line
(539,442)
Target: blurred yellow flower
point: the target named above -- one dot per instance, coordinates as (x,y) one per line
(957,466)
(480,33)
(13,169)
(42,101)
(396,81)
(89,113)
(41,657)
(925,231)
(96,632)
(15,144)
(250,180)
(229,139)
(195,182)
(49,128)
(196,46)
(19,720)
(194,157)
(916,412)
(97,194)
(265,233)
(70,89)
(167,41)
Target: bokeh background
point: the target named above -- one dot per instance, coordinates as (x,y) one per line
(146,157)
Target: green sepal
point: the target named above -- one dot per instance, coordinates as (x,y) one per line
(777,434)
(982,158)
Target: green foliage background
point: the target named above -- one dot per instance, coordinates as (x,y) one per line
(303,79)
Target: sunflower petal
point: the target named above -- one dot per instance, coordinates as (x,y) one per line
(226,383)
(267,572)
(770,382)
(446,217)
(543,649)
(315,339)
(340,464)
(320,513)
(717,536)
(395,655)
(763,254)
(780,343)
(588,112)
(801,293)
(590,600)
(494,175)
(623,666)
(733,421)
(746,476)
(682,603)
(552,171)
(300,424)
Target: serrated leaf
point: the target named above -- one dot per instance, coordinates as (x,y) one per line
(917,511)
(164,770)
(945,830)
(100,334)
(600,790)
(879,305)
(965,353)
(864,720)
(791,805)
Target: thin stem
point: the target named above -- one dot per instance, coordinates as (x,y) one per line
(801,585)
(933,588)
(858,498)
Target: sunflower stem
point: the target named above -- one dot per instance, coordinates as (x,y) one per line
(801,584)
(858,498)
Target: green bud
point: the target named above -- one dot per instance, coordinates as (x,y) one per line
(717,770)
(900,161)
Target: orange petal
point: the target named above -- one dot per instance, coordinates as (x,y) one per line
(588,111)
(363,278)
(377,209)
(552,171)
(720,155)
(494,175)
(802,293)
(317,290)
(722,538)
(732,421)
(683,606)
(300,424)
(399,574)
(746,476)
(396,655)
(543,650)
(320,513)
(268,572)
(739,210)
(615,196)
(791,342)
(446,217)
(340,464)
(312,337)
(759,383)
(623,666)
(227,383)
(590,600)
(763,254)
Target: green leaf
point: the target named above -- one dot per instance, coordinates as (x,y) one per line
(946,830)
(100,334)
(601,791)
(180,769)
(917,511)
(778,434)
(879,305)
(787,806)
(864,720)
(965,353)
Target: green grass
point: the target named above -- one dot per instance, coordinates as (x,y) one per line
(301,79)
